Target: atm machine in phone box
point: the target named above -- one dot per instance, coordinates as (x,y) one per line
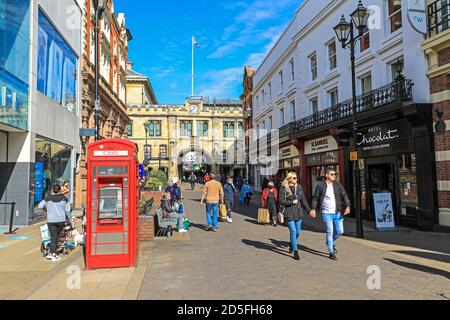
(113,196)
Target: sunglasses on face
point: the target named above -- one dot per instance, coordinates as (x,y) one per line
(333,174)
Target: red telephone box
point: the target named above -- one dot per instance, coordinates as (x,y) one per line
(113,196)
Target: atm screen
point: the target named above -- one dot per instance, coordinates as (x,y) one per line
(110,203)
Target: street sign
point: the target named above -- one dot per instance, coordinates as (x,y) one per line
(87,132)
(354,156)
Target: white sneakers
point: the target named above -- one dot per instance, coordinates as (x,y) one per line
(49,257)
(229,220)
(56,258)
(182,231)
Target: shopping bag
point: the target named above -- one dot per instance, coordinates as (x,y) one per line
(186,224)
(223,213)
(263,216)
(281,218)
(45,234)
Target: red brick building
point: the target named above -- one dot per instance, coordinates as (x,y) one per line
(113,49)
(437,48)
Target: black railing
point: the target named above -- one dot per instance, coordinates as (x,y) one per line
(438,17)
(397,91)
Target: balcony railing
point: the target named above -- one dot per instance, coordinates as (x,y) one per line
(397,91)
(438,17)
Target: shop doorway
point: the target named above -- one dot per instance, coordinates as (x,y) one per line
(380,179)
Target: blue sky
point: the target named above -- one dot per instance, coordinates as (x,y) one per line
(231,34)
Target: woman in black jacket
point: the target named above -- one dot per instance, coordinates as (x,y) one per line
(293,204)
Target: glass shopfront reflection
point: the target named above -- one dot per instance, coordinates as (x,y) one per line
(53,165)
(14,62)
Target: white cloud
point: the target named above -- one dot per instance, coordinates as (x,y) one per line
(221,83)
(249,27)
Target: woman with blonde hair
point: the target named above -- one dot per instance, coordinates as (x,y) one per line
(293,204)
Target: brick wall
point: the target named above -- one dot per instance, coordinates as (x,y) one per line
(444,56)
(442,142)
(147,230)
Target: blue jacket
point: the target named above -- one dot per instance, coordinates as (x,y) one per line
(228,191)
(175,193)
(245,190)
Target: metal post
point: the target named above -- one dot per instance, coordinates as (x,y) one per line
(11,219)
(357,172)
(97,61)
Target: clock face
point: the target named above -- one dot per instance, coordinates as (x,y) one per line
(194,108)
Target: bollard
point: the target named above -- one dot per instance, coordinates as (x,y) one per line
(11,220)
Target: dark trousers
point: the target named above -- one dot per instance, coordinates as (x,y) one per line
(247,201)
(55,230)
(229,204)
(192,186)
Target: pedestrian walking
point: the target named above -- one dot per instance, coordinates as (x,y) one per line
(213,194)
(269,200)
(58,211)
(328,199)
(293,205)
(192,180)
(246,193)
(229,191)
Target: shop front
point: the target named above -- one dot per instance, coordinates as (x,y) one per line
(53,165)
(320,154)
(289,162)
(395,158)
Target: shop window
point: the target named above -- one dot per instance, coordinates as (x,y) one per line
(56,67)
(395,15)
(53,165)
(408,184)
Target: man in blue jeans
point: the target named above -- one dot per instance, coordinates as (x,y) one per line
(212,193)
(328,198)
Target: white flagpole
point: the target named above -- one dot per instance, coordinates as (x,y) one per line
(193,66)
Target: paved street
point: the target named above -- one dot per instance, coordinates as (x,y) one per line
(245,260)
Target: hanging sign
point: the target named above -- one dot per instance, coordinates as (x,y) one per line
(417,15)
(384,212)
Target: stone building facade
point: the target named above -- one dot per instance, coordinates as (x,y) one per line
(198,135)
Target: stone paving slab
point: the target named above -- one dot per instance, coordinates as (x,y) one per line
(248,261)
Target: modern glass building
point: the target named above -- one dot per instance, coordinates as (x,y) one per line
(40,49)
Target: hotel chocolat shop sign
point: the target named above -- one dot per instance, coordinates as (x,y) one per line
(387,138)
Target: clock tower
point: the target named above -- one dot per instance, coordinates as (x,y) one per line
(194,105)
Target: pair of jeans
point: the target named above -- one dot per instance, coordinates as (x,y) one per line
(212,214)
(229,204)
(295,228)
(180,219)
(335,228)
(55,231)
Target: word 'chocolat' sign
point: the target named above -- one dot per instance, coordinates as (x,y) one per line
(392,137)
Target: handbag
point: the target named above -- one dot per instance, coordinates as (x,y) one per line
(281,213)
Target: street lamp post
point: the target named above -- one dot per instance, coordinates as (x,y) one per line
(99,8)
(345,34)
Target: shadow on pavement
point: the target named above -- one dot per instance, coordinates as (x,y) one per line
(421,268)
(427,255)
(266,246)
(198,226)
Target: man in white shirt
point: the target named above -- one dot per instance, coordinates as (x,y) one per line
(328,198)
